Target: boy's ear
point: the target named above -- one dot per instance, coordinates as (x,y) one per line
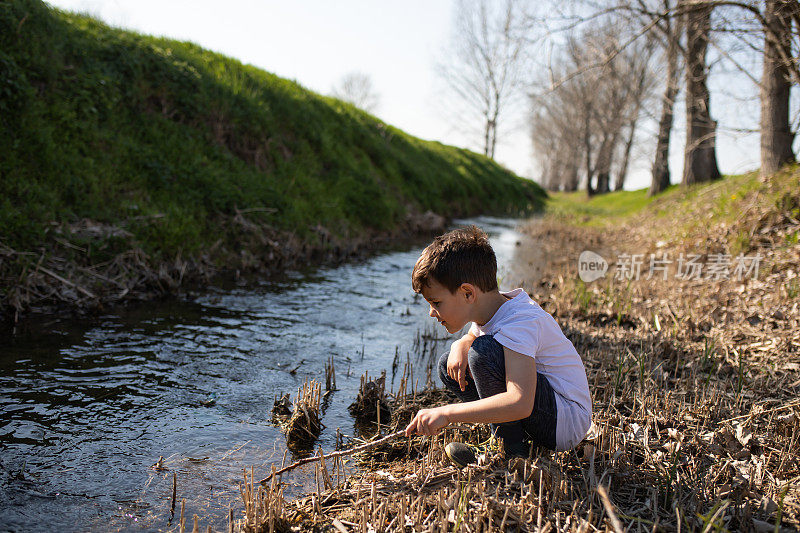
(469,292)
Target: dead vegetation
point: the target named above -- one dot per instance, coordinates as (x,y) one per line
(371,405)
(281,410)
(695,382)
(89,265)
(48,280)
(301,420)
(304,426)
(667,451)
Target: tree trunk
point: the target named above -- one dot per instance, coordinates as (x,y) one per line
(486,133)
(495,116)
(604,159)
(550,178)
(634,120)
(602,182)
(571,175)
(776,135)
(493,143)
(587,146)
(626,155)
(700,158)
(661,175)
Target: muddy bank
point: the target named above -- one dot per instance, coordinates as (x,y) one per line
(63,277)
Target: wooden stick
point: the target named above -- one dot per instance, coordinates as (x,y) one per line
(794,403)
(615,523)
(66,282)
(348,451)
(174,494)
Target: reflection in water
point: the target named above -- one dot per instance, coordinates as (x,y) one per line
(88,407)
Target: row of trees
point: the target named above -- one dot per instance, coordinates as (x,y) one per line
(585,126)
(613,67)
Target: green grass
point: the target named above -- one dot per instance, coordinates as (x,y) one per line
(169,140)
(718,201)
(736,206)
(599,208)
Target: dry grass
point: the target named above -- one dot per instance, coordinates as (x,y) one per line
(670,453)
(303,425)
(371,404)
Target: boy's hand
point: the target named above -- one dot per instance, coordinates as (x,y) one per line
(427,422)
(457,366)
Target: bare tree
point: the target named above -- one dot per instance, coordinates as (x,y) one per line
(776,134)
(590,117)
(641,78)
(630,137)
(612,97)
(700,158)
(778,23)
(656,21)
(556,133)
(671,31)
(356,88)
(625,83)
(485,68)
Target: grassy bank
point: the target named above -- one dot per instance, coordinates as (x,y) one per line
(699,374)
(581,209)
(721,199)
(115,142)
(695,386)
(725,210)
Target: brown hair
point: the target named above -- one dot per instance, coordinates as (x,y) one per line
(459,256)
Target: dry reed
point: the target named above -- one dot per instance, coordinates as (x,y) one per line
(371,404)
(304,425)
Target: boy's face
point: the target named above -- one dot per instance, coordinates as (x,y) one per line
(452,310)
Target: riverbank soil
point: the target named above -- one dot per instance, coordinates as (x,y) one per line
(64,278)
(695,382)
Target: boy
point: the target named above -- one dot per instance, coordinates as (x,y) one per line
(514,369)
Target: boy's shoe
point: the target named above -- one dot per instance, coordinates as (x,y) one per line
(461,454)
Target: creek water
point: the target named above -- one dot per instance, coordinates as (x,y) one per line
(88,407)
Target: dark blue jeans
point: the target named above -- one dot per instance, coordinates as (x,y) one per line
(487,377)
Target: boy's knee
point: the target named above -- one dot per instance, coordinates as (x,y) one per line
(484,350)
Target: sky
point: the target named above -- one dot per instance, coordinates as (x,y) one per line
(317,42)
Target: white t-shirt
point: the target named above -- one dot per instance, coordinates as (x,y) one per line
(520,324)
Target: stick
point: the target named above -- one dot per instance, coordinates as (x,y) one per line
(66,282)
(616,524)
(174,494)
(781,408)
(348,451)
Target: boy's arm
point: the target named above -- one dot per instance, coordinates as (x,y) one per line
(457,366)
(466,340)
(515,403)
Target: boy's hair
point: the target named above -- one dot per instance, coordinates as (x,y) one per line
(459,256)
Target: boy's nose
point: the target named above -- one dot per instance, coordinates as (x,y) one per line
(432,313)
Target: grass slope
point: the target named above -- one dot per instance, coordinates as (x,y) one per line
(701,204)
(168,141)
(596,209)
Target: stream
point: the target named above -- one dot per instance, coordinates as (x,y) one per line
(89,406)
